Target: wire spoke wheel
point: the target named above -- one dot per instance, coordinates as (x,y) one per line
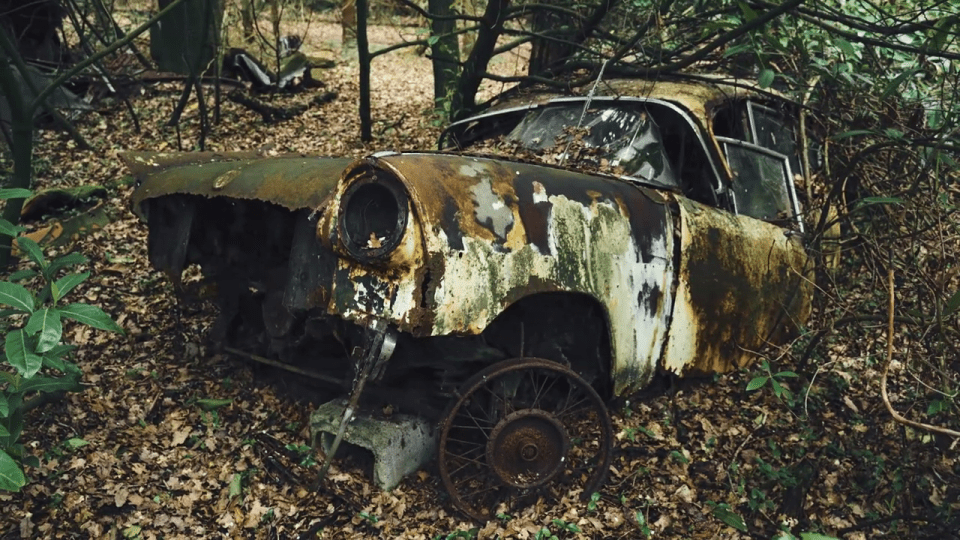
(523,430)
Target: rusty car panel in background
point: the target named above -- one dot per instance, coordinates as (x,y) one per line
(291,181)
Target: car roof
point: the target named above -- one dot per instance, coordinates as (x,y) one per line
(698,94)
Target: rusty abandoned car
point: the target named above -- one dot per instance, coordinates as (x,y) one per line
(503,300)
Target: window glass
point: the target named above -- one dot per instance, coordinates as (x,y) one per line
(626,136)
(760,183)
(773,132)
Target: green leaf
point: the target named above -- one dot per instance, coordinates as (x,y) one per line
(756,383)
(90,316)
(777,389)
(20,356)
(21,275)
(75,443)
(846,48)
(937,406)
(952,305)
(15,193)
(51,384)
(894,85)
(3,431)
(11,477)
(737,49)
(893,133)
(45,322)
(16,296)
(64,285)
(816,536)
(32,249)
(879,200)
(4,406)
(9,229)
(54,361)
(730,518)
(70,259)
(766,78)
(432,40)
(235,487)
(748,13)
(213,404)
(786,374)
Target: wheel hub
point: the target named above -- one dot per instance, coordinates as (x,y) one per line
(527,448)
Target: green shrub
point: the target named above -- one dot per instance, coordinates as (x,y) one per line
(32,326)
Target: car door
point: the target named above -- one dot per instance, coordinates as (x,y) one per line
(742,275)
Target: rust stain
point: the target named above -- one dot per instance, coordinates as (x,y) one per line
(496,231)
(293,182)
(741,285)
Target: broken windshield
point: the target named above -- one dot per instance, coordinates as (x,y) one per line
(624,135)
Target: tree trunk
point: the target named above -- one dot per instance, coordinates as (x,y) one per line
(21,141)
(545,53)
(186,38)
(348,25)
(363,56)
(445,53)
(247,18)
(465,98)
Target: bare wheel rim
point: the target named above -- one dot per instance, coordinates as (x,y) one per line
(521,430)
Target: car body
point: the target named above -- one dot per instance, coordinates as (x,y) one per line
(666,236)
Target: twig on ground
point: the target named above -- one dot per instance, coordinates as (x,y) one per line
(886,370)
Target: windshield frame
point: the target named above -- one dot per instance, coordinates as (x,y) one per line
(718,185)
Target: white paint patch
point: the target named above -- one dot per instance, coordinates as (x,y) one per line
(489,209)
(595,253)
(539,193)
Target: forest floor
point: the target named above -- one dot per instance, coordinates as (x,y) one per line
(171,440)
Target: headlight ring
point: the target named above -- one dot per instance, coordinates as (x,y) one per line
(373,215)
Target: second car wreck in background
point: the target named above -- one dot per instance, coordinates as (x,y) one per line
(501,299)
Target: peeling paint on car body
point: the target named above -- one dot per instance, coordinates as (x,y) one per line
(739,277)
(601,237)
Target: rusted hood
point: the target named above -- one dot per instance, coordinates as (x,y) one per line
(291,181)
(503,201)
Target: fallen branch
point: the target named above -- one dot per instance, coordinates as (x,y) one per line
(269,113)
(886,369)
(285,366)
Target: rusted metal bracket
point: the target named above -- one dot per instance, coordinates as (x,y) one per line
(379,346)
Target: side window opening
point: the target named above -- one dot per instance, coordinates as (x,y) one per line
(762,153)
(459,136)
(770,129)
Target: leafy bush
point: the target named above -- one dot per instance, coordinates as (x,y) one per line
(33,341)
